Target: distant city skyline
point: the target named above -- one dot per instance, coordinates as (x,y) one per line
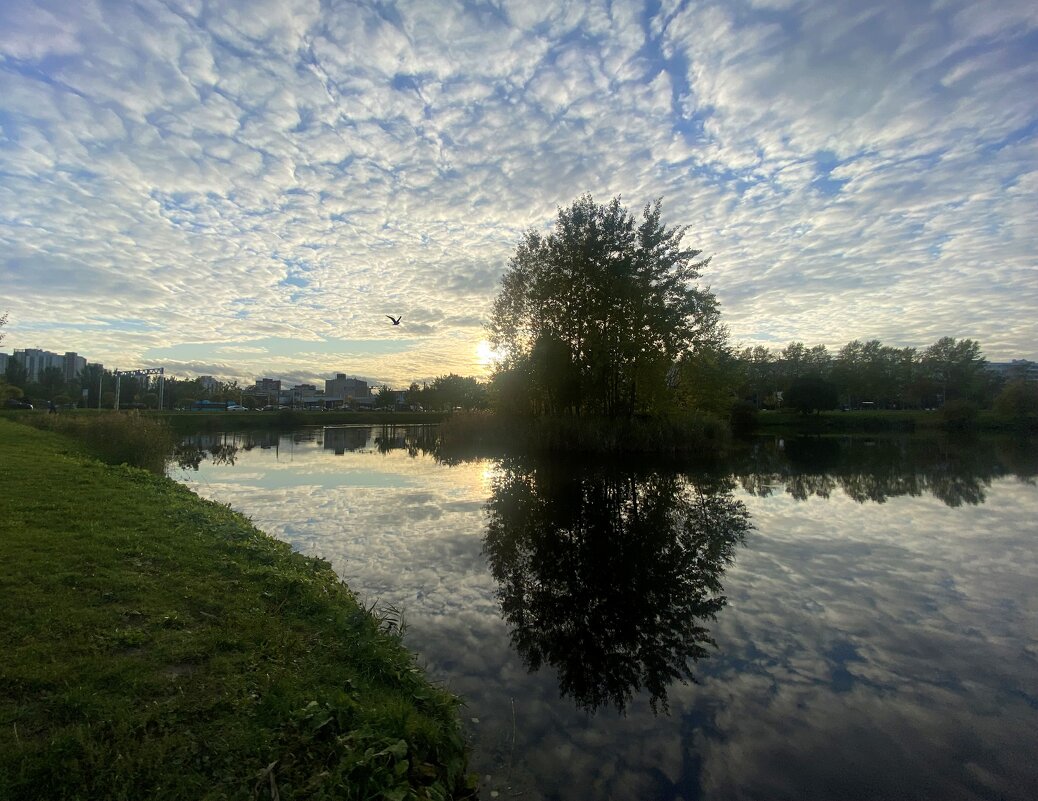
(238,189)
(265,380)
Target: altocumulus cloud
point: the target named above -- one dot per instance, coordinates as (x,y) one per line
(230,172)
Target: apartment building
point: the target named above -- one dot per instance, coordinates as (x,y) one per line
(36,361)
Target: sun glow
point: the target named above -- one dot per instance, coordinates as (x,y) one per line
(487,355)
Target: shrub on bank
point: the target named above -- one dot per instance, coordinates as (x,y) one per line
(742,416)
(1017,403)
(115,437)
(959,415)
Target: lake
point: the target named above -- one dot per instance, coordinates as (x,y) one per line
(814,618)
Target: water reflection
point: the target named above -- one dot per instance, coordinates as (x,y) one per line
(222,448)
(876,644)
(610,576)
(957,472)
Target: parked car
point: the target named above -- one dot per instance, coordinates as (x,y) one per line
(234,407)
(17,403)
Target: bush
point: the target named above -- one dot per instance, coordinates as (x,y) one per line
(116,437)
(959,415)
(1018,402)
(742,416)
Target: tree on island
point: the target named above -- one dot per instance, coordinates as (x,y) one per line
(593,316)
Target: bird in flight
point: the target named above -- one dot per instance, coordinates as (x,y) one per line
(396,320)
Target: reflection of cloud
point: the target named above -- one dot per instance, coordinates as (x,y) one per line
(885,652)
(863,645)
(303,169)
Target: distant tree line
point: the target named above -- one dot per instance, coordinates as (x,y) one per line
(866,374)
(447,393)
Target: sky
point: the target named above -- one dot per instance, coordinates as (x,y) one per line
(247,189)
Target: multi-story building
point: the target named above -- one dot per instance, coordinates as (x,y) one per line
(270,386)
(305,395)
(36,361)
(3,362)
(342,390)
(74,364)
(208,383)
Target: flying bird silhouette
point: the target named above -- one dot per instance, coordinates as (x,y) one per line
(396,320)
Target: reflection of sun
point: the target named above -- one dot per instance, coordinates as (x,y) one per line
(490,472)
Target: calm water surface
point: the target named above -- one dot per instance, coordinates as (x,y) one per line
(817,619)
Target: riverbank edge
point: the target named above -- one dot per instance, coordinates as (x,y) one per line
(155,644)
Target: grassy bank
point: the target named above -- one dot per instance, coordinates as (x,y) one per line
(155,645)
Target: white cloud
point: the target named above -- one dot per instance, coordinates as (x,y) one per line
(855,172)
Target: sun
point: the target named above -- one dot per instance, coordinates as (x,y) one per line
(486,354)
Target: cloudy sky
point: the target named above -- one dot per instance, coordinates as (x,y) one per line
(247,188)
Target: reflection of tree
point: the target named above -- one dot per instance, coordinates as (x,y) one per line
(223,448)
(608,576)
(413,439)
(189,455)
(866,469)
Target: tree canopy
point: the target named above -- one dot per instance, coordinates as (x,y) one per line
(593,315)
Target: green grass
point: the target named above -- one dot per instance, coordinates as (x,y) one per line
(155,645)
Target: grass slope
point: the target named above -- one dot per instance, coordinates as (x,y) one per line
(155,645)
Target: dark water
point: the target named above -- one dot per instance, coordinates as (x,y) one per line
(813,619)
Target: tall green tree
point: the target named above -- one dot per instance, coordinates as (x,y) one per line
(597,311)
(759,371)
(90,378)
(707,379)
(451,391)
(385,398)
(52,382)
(956,368)
(794,362)
(16,374)
(811,393)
